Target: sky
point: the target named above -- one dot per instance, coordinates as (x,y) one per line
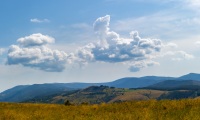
(49,41)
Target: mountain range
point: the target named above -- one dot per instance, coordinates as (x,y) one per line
(26,92)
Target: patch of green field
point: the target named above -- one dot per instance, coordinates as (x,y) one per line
(187,109)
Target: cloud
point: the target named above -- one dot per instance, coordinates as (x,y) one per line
(134,51)
(168,24)
(136,66)
(197,42)
(36,20)
(193,4)
(111,48)
(101,25)
(179,55)
(35,40)
(171,45)
(33,52)
(185,55)
(2,50)
(85,54)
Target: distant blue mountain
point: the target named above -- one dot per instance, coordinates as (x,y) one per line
(176,85)
(190,76)
(24,92)
(133,82)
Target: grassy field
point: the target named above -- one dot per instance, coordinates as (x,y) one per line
(188,109)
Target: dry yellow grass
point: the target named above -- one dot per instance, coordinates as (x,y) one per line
(135,110)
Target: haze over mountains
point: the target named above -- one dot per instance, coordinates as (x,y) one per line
(25,92)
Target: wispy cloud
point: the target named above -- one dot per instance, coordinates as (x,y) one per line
(193,4)
(81,26)
(197,43)
(36,20)
(2,50)
(179,55)
(169,24)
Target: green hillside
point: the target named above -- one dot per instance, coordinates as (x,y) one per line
(105,94)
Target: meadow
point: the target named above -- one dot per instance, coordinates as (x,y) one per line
(185,109)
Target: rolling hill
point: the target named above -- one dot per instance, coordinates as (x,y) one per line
(24,92)
(27,92)
(176,85)
(99,94)
(133,82)
(105,94)
(190,76)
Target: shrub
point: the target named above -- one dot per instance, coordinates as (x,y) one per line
(84,103)
(67,103)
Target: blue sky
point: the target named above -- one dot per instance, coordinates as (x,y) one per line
(45,41)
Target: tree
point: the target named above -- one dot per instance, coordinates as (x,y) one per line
(67,103)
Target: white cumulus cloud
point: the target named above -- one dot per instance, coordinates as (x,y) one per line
(35,40)
(135,51)
(33,52)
